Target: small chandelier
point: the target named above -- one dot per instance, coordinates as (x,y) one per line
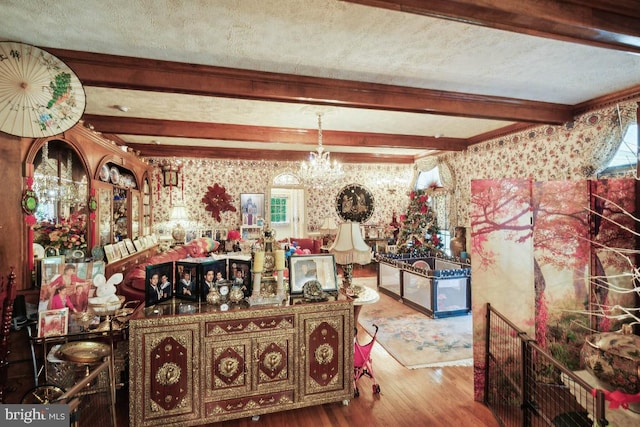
(319,171)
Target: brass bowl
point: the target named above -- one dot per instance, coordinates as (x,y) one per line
(83,351)
(107,308)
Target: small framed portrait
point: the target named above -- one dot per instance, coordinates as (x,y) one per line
(158,283)
(240,274)
(53,322)
(130,246)
(138,244)
(252,208)
(212,272)
(191,235)
(317,267)
(186,281)
(111,253)
(122,248)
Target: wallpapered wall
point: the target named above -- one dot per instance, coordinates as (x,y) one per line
(255,176)
(575,150)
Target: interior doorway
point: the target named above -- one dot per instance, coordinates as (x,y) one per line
(286,206)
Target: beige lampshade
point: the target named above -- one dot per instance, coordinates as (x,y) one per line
(328,225)
(349,246)
(179,213)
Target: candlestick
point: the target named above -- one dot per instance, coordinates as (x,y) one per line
(279,261)
(258,261)
(257,278)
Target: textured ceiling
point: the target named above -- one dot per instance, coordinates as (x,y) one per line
(324,39)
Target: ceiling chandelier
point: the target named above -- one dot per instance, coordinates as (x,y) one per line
(319,171)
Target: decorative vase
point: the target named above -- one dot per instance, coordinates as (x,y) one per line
(613,358)
(213,297)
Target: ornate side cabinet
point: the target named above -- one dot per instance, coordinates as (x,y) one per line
(212,366)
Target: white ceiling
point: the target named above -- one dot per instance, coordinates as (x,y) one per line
(316,38)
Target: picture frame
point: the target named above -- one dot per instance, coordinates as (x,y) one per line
(130,246)
(211,272)
(320,267)
(122,247)
(186,280)
(251,207)
(191,235)
(239,272)
(111,253)
(155,291)
(221,234)
(53,322)
(139,244)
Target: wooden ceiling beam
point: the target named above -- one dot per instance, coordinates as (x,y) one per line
(224,153)
(601,23)
(232,132)
(163,76)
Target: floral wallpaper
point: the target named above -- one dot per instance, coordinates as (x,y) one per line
(576,150)
(238,176)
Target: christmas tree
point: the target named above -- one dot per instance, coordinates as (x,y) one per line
(419,228)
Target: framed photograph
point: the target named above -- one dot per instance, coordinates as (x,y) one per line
(208,233)
(186,281)
(210,273)
(53,322)
(320,267)
(252,208)
(122,247)
(130,246)
(221,234)
(110,253)
(191,235)
(138,244)
(240,274)
(158,285)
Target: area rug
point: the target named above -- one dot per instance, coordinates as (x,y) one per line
(414,339)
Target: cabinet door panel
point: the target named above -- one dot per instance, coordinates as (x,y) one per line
(227,367)
(327,354)
(167,387)
(274,357)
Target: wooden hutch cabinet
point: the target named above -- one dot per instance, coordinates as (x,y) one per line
(83,171)
(193,369)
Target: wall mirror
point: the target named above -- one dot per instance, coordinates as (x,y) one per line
(61,185)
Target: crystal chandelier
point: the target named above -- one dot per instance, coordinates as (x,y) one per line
(319,171)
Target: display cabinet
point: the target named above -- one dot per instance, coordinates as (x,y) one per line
(211,366)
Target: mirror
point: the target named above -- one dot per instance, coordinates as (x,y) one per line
(61,185)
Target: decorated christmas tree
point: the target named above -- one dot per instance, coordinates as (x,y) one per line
(419,228)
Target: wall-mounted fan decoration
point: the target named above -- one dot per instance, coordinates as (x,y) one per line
(40,96)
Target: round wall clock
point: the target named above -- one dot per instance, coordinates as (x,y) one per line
(354,203)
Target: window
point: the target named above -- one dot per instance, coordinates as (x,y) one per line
(428,178)
(279,210)
(626,158)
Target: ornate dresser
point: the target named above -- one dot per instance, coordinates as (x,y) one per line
(209,366)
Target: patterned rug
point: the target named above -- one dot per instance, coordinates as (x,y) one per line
(412,338)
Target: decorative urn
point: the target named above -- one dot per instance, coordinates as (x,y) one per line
(613,358)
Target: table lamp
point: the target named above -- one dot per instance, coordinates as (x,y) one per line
(349,248)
